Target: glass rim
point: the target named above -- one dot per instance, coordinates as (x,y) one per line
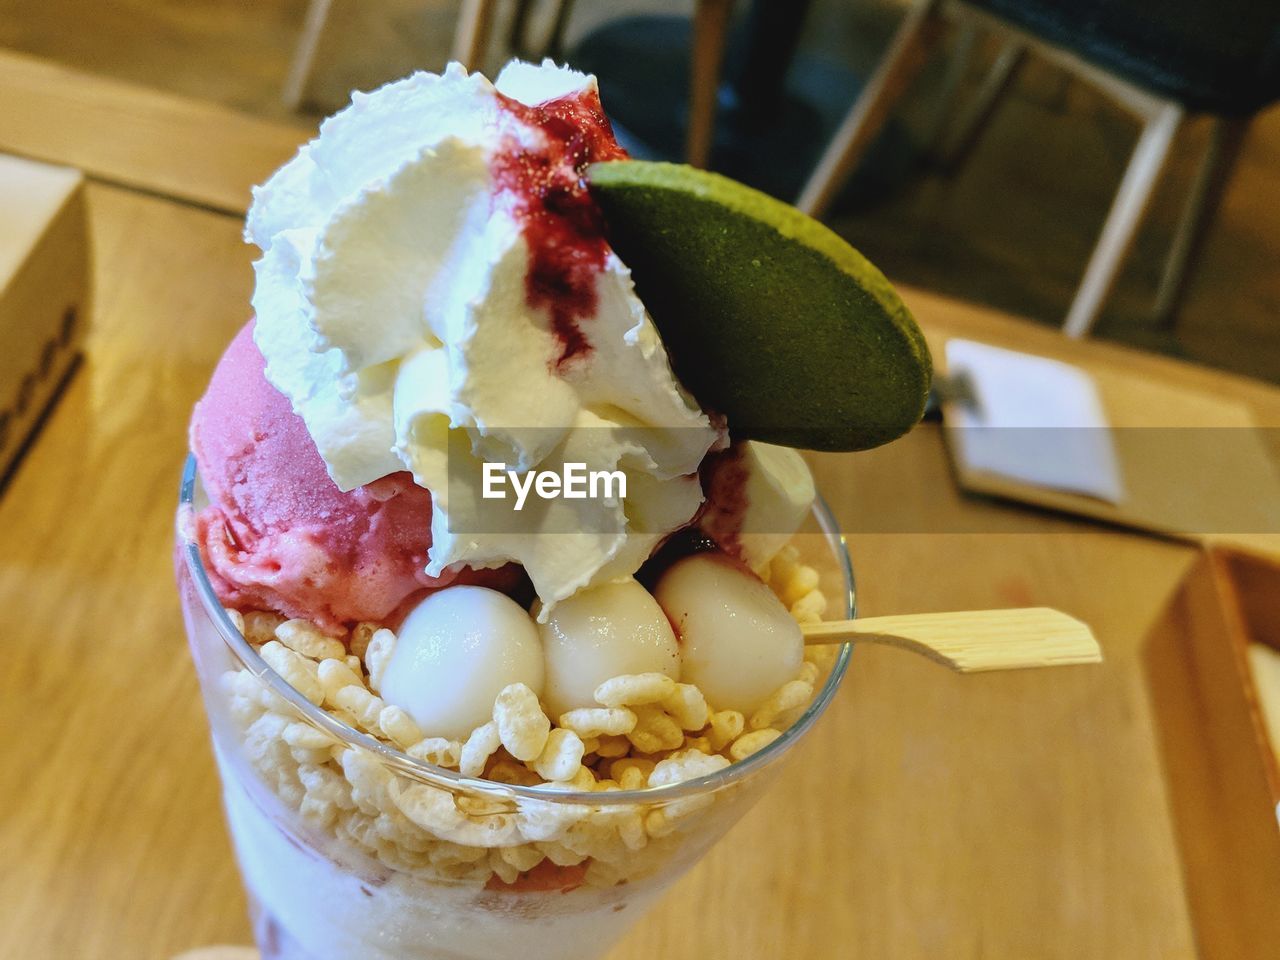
(430,773)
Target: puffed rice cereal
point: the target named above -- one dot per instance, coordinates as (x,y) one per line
(649,731)
(635,689)
(522,726)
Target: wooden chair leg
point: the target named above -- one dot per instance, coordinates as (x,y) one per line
(555,42)
(518,30)
(1197,216)
(958,63)
(974,119)
(471,35)
(304,54)
(1122,222)
(907,54)
(710,33)
(525,47)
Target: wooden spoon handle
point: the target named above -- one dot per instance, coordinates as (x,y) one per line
(973,640)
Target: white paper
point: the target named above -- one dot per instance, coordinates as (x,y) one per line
(1035,420)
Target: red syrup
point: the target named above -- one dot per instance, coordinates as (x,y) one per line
(561,223)
(546,877)
(717,527)
(724,485)
(685,542)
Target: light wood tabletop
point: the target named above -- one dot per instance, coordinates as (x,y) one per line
(117,132)
(928,815)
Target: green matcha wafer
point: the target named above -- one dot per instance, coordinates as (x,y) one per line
(771,319)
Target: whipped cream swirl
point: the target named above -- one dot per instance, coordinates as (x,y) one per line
(431,273)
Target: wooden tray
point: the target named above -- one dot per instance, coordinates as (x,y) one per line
(1221,769)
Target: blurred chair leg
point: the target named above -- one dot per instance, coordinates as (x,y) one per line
(304,53)
(471,35)
(1122,222)
(519,41)
(710,33)
(555,43)
(518,32)
(907,54)
(1197,216)
(957,66)
(974,119)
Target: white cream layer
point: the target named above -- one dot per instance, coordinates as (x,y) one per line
(392,311)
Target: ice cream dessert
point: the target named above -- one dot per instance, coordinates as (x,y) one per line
(281,535)
(433,267)
(445,732)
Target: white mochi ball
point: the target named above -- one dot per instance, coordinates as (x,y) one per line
(738,643)
(454,653)
(603,632)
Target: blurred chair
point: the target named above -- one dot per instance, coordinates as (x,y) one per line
(710,35)
(522,45)
(475,18)
(1162,61)
(469,39)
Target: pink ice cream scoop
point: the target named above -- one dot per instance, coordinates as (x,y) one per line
(278,533)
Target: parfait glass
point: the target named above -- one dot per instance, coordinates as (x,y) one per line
(350,849)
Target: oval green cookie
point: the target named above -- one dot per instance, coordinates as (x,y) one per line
(769,317)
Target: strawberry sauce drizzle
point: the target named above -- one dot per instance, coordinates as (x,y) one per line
(724,484)
(560,221)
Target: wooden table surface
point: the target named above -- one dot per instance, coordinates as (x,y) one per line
(202,153)
(929,815)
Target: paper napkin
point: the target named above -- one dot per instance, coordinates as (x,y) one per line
(1035,420)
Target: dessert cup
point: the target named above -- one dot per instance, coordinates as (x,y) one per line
(391,858)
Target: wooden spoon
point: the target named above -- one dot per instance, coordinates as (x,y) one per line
(973,640)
